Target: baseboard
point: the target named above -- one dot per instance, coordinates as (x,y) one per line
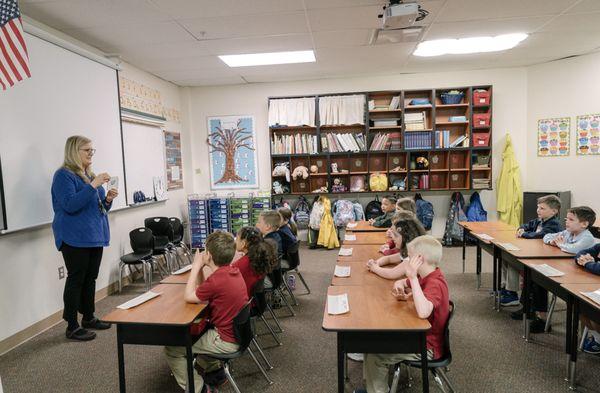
(30,332)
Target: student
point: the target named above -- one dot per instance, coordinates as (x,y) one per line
(388,206)
(406,204)
(268,224)
(590,260)
(287,230)
(390,247)
(258,256)
(548,207)
(213,280)
(576,236)
(426,285)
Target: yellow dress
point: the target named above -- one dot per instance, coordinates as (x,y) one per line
(327,233)
(509,195)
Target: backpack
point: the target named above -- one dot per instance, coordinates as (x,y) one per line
(373,209)
(378,182)
(316,214)
(424,211)
(475,211)
(302,213)
(343,212)
(359,213)
(453,235)
(281,203)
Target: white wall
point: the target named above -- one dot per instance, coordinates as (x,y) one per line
(510,101)
(30,289)
(565,88)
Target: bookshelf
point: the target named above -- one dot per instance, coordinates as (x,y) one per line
(402,129)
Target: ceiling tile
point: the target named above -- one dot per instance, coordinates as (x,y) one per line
(184,63)
(291,42)
(588,22)
(179,74)
(342,38)
(484,28)
(585,6)
(246,25)
(319,4)
(169,50)
(329,19)
(451,62)
(460,10)
(180,9)
(553,44)
(234,80)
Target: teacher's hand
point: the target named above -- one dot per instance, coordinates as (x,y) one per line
(111,194)
(100,179)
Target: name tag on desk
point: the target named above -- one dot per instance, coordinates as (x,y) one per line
(509,246)
(338,304)
(342,271)
(350,238)
(345,252)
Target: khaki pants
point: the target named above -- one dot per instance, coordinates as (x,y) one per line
(209,343)
(376,368)
(511,278)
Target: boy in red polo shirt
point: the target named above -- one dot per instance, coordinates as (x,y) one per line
(426,285)
(214,281)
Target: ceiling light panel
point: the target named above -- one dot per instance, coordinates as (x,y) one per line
(257,59)
(469,45)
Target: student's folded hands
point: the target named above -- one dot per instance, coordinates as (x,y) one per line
(400,291)
(371,263)
(585,258)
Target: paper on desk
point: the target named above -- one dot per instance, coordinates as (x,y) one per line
(595,296)
(138,300)
(350,237)
(337,304)
(342,271)
(345,252)
(548,270)
(351,225)
(484,236)
(509,246)
(183,269)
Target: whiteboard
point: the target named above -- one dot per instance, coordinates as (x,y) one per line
(144,151)
(66,95)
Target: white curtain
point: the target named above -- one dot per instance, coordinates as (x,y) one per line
(292,112)
(336,110)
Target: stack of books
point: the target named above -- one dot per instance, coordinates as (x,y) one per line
(461,141)
(420,182)
(337,143)
(393,105)
(395,140)
(481,183)
(442,139)
(381,141)
(386,122)
(415,121)
(294,144)
(417,140)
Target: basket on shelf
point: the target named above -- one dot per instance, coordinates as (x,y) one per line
(451,98)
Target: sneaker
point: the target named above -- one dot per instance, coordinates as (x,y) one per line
(591,346)
(509,298)
(80,334)
(538,325)
(357,357)
(96,324)
(215,379)
(517,315)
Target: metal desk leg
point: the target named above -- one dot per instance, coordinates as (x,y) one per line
(464,248)
(496,261)
(340,364)
(526,303)
(424,370)
(121,357)
(569,334)
(478,268)
(573,346)
(190,364)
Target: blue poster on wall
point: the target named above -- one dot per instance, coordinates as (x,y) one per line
(232,152)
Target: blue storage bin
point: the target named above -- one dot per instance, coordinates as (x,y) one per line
(451,98)
(419,101)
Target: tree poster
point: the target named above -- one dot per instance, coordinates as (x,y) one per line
(232,152)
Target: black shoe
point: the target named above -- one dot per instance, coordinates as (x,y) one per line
(95,324)
(517,315)
(538,325)
(80,334)
(216,379)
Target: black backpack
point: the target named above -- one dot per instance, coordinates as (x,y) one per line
(373,209)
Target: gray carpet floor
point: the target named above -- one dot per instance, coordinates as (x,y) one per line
(489,353)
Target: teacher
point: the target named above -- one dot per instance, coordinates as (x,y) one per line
(81,230)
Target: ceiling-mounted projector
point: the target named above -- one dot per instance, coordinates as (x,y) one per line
(400,14)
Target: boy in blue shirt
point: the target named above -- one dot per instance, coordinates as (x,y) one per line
(590,260)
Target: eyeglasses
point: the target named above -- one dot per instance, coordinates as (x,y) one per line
(89,151)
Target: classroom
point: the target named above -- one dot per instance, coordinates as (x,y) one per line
(274,196)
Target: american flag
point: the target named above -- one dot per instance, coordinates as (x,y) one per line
(14,60)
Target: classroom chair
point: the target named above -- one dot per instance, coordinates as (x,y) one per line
(242,328)
(274,286)
(438,367)
(142,244)
(291,262)
(177,240)
(163,233)
(260,306)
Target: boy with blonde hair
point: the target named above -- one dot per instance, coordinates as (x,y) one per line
(426,285)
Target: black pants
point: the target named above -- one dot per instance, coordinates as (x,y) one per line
(538,298)
(82,265)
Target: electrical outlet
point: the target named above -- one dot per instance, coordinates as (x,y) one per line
(61,272)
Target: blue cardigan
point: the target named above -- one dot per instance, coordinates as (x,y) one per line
(78,220)
(551,225)
(593,266)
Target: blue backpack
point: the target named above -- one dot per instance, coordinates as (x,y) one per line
(475,211)
(343,212)
(424,211)
(302,213)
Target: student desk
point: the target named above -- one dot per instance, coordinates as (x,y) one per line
(176,278)
(576,304)
(364,226)
(164,320)
(360,252)
(360,275)
(470,228)
(376,323)
(486,245)
(377,238)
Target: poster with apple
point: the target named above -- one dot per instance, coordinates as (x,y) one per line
(588,134)
(553,137)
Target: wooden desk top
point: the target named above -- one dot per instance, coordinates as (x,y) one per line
(364,226)
(167,309)
(373,308)
(482,226)
(528,248)
(576,290)
(574,274)
(378,238)
(361,252)
(177,278)
(360,275)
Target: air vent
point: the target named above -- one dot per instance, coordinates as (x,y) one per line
(395,36)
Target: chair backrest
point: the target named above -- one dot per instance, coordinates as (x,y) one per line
(141,240)
(242,327)
(276,277)
(177,229)
(160,226)
(447,353)
(260,299)
(293,256)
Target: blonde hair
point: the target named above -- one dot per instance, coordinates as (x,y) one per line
(272,218)
(406,204)
(72,160)
(427,246)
